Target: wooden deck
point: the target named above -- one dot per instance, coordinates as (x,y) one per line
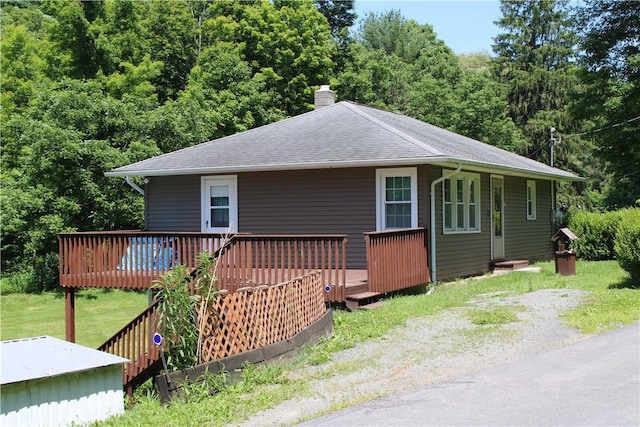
(134,260)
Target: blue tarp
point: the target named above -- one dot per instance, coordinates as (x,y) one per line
(148,253)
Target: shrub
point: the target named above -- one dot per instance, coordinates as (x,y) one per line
(596,234)
(627,245)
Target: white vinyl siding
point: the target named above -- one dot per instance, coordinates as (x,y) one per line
(461,203)
(397,198)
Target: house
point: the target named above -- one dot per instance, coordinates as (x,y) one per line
(350,169)
(373,200)
(47,381)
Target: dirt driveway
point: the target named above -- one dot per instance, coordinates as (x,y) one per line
(431,350)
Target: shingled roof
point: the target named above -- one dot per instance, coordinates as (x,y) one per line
(344,134)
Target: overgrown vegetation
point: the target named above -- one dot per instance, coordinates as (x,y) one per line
(182,311)
(609,235)
(596,233)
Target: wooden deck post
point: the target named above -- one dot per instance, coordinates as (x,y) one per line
(70,313)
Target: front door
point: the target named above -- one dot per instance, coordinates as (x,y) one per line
(497,217)
(219,204)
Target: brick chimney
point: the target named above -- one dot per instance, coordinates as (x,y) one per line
(324,97)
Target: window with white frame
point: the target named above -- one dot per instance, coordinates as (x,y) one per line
(397,198)
(531,199)
(461,203)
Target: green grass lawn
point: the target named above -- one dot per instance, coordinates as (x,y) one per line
(99,314)
(612,302)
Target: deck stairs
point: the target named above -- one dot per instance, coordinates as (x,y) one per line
(362,300)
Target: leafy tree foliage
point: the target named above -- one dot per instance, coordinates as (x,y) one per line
(288,43)
(611,98)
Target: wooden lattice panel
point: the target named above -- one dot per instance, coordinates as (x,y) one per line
(255,317)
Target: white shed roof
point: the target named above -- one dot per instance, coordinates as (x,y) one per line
(42,357)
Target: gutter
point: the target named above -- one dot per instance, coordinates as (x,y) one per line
(433,219)
(134,185)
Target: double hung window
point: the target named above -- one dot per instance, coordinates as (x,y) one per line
(397,198)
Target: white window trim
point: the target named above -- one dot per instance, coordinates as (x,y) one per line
(381,175)
(465,175)
(232,182)
(534,205)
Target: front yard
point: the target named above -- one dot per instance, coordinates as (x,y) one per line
(601,291)
(609,303)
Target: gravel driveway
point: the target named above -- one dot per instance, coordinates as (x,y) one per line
(430,350)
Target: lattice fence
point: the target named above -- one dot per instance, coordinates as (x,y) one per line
(255,317)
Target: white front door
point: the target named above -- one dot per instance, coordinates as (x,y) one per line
(219,204)
(497,217)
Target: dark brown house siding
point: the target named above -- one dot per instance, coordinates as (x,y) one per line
(326,201)
(343,201)
(527,239)
(172,203)
(464,254)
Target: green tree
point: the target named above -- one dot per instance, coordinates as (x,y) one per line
(610,100)
(400,65)
(535,58)
(341,16)
(289,43)
(173,33)
(59,148)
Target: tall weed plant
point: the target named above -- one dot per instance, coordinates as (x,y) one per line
(183,299)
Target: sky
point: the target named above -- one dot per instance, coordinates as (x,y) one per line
(465,25)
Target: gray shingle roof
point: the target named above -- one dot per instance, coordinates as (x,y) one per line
(341,135)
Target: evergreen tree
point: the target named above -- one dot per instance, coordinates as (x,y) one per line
(535,57)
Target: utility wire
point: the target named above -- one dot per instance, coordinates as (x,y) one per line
(601,129)
(574,135)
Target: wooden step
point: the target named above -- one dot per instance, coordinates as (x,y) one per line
(510,265)
(362,296)
(354,301)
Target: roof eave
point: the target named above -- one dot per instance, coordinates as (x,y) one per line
(276,167)
(508,170)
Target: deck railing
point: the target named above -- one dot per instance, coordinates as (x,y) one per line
(128,259)
(135,259)
(134,342)
(253,260)
(396,259)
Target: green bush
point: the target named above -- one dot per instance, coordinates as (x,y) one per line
(627,245)
(596,234)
